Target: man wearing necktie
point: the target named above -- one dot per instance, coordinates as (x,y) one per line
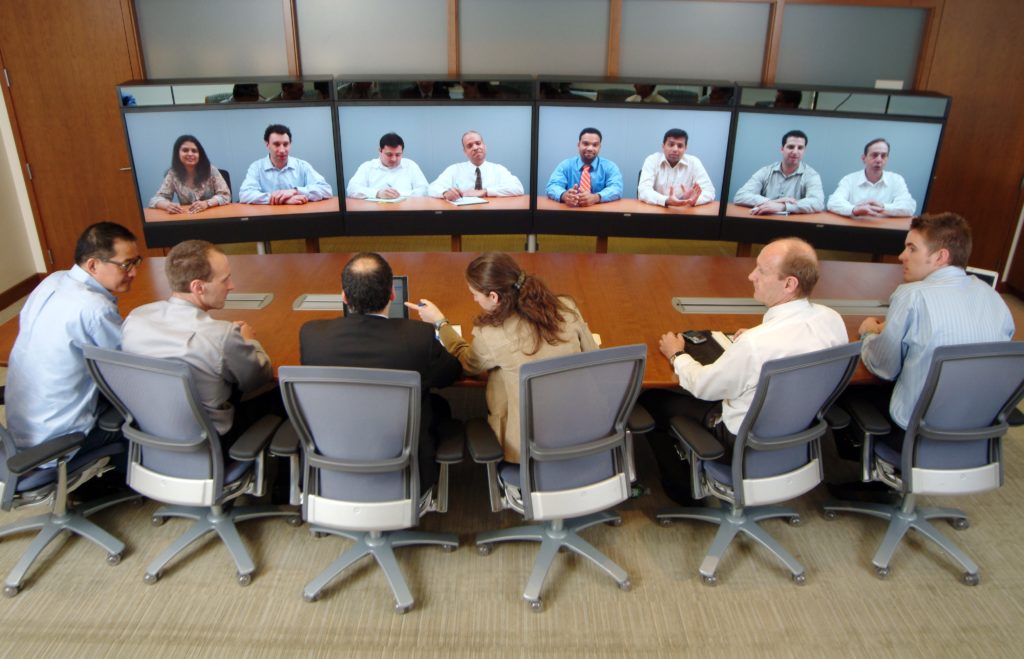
(586,179)
(475,177)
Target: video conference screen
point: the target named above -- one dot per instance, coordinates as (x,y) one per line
(232,140)
(835,146)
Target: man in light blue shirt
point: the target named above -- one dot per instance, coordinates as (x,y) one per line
(586,179)
(279,178)
(49,391)
(940,304)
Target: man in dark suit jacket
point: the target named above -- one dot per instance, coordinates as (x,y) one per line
(367,338)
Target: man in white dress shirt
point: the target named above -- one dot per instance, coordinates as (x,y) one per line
(390,176)
(719,394)
(672,178)
(475,177)
(873,192)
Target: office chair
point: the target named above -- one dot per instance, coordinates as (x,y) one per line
(359,430)
(226,175)
(952,445)
(775,458)
(175,454)
(575,463)
(25,482)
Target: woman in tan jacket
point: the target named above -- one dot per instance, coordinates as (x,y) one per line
(521,321)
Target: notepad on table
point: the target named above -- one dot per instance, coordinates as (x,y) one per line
(467,201)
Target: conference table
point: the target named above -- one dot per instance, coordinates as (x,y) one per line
(236,210)
(625,298)
(517,203)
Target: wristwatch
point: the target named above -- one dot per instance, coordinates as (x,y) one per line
(672,359)
(441,323)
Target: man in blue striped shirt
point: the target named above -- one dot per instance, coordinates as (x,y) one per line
(940,304)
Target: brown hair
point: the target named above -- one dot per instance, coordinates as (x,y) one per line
(188,261)
(519,294)
(946,230)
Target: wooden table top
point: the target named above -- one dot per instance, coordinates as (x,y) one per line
(626,298)
(519,203)
(235,211)
(630,206)
(901,224)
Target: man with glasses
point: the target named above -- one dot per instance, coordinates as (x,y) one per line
(49,392)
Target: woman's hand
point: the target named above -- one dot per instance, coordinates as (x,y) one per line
(428,310)
(199,206)
(170,207)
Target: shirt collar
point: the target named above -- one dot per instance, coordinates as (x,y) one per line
(787,309)
(664,161)
(270,165)
(799,169)
(946,273)
(863,179)
(593,165)
(80,275)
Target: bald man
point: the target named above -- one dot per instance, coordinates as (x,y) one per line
(718,395)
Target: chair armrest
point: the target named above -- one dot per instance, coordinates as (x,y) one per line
(837,418)
(451,442)
(285,441)
(483,445)
(111,420)
(640,420)
(1015,418)
(255,438)
(26,460)
(868,417)
(696,438)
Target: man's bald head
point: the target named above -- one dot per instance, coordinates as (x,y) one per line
(798,260)
(366,283)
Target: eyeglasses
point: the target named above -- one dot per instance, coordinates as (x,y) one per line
(126,266)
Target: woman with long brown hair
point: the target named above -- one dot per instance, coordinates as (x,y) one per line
(521,321)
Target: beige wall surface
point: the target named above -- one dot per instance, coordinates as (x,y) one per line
(20,253)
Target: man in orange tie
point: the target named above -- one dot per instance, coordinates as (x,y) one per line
(586,179)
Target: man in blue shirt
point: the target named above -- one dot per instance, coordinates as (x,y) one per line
(279,178)
(49,391)
(586,179)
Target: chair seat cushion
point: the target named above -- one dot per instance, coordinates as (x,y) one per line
(936,454)
(509,472)
(720,471)
(234,470)
(44,476)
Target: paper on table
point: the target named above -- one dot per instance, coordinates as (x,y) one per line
(467,201)
(381,200)
(721,339)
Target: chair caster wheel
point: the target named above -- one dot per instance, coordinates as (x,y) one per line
(709,579)
(151,577)
(113,559)
(970,579)
(399,609)
(830,515)
(244,579)
(626,585)
(882,572)
(157,521)
(665,521)
(449,548)
(536,605)
(484,549)
(960,523)
(317,534)
(800,579)
(614,522)
(795,521)
(295,520)
(11,591)
(311,597)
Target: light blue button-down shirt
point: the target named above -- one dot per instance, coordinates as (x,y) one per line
(49,391)
(605,178)
(263,178)
(947,307)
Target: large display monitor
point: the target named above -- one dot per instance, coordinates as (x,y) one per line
(433,133)
(631,132)
(232,136)
(836,142)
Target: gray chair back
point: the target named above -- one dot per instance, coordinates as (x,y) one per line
(8,482)
(787,413)
(961,413)
(359,429)
(573,413)
(162,413)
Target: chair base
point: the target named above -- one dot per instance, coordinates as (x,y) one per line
(553,536)
(51,525)
(381,547)
(908,516)
(216,519)
(732,522)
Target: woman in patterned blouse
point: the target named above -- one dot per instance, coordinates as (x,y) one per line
(197,184)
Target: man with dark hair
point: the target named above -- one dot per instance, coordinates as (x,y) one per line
(787,186)
(719,394)
(368,338)
(225,357)
(389,176)
(586,179)
(940,304)
(280,178)
(673,178)
(873,192)
(49,391)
